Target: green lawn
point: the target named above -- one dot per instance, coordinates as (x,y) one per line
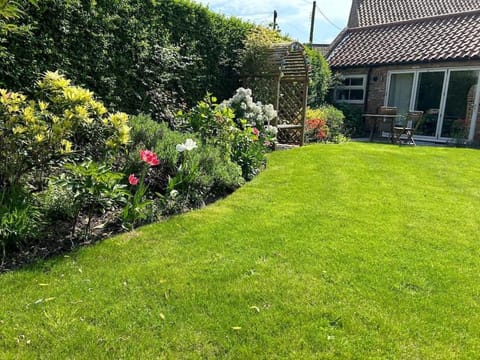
(354,251)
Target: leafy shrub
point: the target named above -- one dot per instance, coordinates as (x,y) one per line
(248,151)
(353,124)
(326,123)
(254,135)
(213,123)
(256,41)
(316,130)
(149,134)
(195,173)
(63,120)
(20,218)
(144,132)
(57,203)
(320,78)
(226,175)
(94,188)
(202,175)
(237,127)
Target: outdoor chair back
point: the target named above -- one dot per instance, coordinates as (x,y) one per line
(411,123)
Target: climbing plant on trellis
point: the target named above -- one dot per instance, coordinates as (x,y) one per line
(280,77)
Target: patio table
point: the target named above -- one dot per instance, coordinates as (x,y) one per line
(385,117)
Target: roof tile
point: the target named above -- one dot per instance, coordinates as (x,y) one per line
(454,37)
(375,12)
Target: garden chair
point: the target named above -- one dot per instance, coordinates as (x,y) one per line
(410,124)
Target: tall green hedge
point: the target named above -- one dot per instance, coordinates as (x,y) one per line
(137,55)
(319,78)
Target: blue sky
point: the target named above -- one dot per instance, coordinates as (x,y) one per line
(293,15)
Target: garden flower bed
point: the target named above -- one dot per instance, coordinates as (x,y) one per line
(80,173)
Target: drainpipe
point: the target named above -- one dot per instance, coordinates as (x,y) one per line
(367,90)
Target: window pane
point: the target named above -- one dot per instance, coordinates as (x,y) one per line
(356,81)
(349,95)
(356,95)
(400,92)
(352,89)
(342,94)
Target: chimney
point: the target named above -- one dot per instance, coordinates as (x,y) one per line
(353,20)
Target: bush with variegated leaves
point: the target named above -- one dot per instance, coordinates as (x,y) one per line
(63,120)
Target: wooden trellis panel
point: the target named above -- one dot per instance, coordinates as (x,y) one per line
(291,112)
(281,79)
(264,89)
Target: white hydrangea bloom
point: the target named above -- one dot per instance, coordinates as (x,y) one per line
(272,129)
(188,145)
(255,113)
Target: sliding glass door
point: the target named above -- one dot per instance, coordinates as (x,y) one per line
(447,97)
(428,99)
(459,104)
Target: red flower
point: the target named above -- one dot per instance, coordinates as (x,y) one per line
(149,157)
(315,123)
(321,135)
(255,131)
(132,179)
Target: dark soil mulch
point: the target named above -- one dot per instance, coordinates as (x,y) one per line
(60,241)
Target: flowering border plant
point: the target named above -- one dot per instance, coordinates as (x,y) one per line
(138,206)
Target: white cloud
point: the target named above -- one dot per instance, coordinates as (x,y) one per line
(293,15)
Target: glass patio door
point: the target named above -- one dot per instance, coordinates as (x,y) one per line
(428,98)
(400,91)
(459,104)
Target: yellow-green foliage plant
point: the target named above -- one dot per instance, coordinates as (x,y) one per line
(64,120)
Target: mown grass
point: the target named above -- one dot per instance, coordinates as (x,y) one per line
(355,251)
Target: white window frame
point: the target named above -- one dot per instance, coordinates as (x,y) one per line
(362,87)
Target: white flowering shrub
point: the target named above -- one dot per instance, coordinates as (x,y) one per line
(240,128)
(256,114)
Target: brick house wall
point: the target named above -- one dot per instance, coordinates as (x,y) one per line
(377,82)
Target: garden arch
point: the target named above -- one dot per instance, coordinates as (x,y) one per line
(280,77)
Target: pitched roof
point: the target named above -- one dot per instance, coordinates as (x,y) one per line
(437,38)
(375,12)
